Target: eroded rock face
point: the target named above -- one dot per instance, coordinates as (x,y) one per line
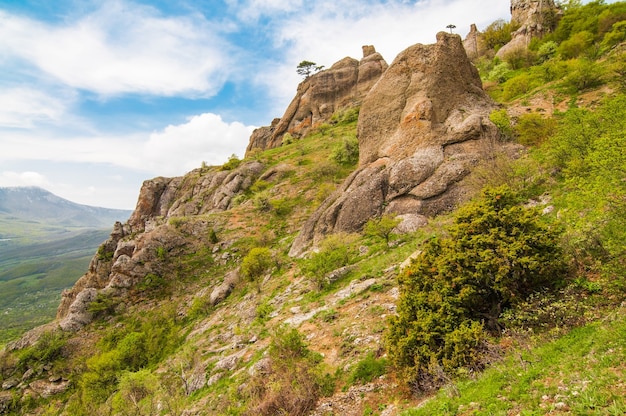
(474,43)
(535,18)
(133,249)
(343,85)
(421,129)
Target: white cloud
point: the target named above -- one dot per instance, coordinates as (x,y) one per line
(204,138)
(172,151)
(23,107)
(248,10)
(122,48)
(28,178)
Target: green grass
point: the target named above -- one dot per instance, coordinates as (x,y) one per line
(32,277)
(581,373)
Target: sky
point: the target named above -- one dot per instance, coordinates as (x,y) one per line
(98,96)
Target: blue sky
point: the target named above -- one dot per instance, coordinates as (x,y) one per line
(97,96)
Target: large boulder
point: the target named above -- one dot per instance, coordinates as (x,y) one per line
(421,128)
(343,85)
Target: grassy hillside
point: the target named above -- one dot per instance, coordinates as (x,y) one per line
(484,333)
(32,277)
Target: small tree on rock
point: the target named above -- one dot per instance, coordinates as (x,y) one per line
(307,68)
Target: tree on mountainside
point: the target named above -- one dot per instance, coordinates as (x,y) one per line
(307,68)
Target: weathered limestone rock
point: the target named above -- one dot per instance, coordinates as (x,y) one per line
(343,85)
(535,18)
(421,129)
(474,43)
(122,262)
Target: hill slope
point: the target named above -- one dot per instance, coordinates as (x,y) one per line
(46,243)
(194,305)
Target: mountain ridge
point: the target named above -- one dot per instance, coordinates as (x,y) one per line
(37,204)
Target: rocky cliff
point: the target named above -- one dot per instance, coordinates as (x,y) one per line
(343,85)
(534,18)
(421,128)
(136,249)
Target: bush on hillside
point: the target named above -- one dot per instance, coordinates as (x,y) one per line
(292,382)
(496,254)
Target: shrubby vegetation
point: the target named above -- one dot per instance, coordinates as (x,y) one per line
(495,254)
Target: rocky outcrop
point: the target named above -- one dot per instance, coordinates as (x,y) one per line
(135,250)
(343,85)
(421,129)
(474,43)
(534,18)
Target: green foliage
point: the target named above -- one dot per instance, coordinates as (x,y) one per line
(232,163)
(256,263)
(47,349)
(583,74)
(496,254)
(347,152)
(518,85)
(335,251)
(140,344)
(349,115)
(588,360)
(575,45)
(547,50)
(502,121)
(307,68)
(103,305)
(500,72)
(136,394)
(532,129)
(368,369)
(264,310)
(213,239)
(498,34)
(588,152)
(381,227)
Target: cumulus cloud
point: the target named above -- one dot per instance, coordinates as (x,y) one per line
(122,48)
(204,138)
(173,151)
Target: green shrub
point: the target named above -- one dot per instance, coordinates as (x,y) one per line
(532,129)
(502,121)
(256,263)
(575,45)
(583,74)
(47,349)
(496,254)
(335,251)
(347,152)
(547,50)
(518,85)
(381,227)
(501,72)
(368,369)
(232,163)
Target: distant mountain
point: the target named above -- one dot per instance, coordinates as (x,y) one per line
(46,243)
(39,205)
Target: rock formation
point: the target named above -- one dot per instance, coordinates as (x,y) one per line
(343,85)
(130,255)
(474,43)
(420,129)
(535,18)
